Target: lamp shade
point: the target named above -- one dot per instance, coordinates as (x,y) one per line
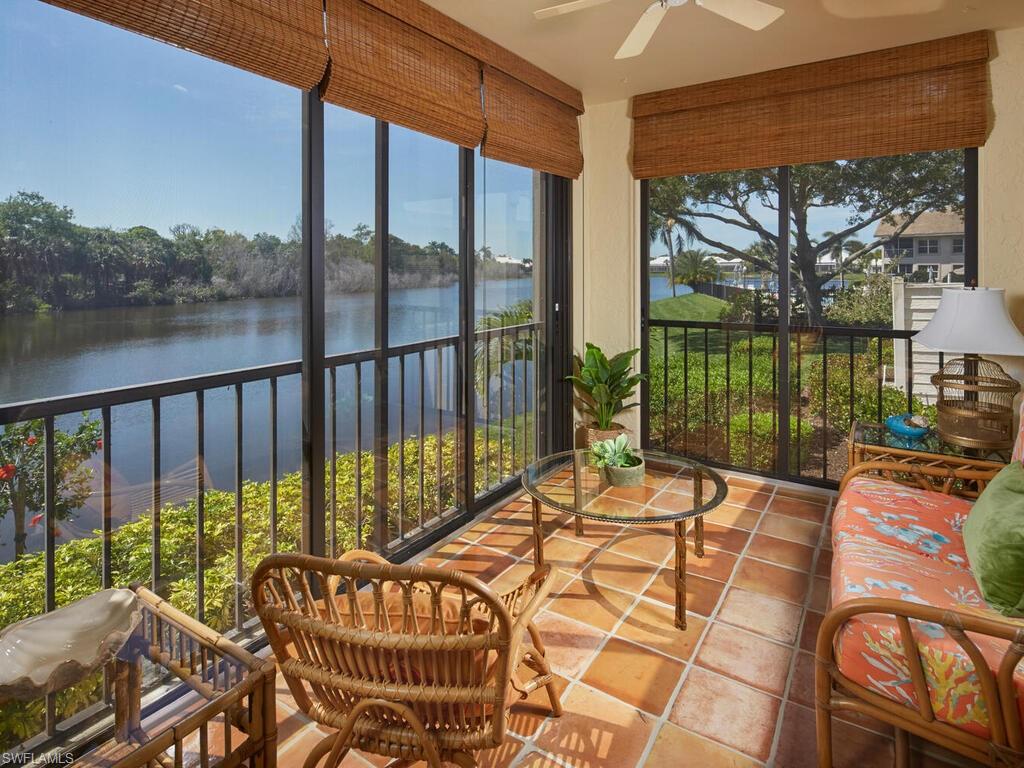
(972,322)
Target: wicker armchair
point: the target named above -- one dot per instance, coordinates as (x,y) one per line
(419,664)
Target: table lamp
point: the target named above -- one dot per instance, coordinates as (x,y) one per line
(975,395)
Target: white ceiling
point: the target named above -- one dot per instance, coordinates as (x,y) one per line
(694,46)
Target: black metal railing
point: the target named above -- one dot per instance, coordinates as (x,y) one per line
(715,393)
(197,545)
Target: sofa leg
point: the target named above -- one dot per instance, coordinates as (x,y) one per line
(823,718)
(902,749)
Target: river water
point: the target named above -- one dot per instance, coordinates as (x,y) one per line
(51,355)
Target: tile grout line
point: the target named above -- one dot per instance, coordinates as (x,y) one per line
(777,736)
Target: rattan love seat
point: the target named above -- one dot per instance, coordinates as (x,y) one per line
(408,662)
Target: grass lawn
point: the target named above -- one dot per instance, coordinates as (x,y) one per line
(692,306)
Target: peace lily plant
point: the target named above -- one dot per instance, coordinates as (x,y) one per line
(602,387)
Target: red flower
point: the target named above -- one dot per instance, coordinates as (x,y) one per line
(99,444)
(7,471)
(31,440)
(36,519)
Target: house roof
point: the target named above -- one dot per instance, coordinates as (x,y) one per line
(928,223)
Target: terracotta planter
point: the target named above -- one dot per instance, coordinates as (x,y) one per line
(626,477)
(591,434)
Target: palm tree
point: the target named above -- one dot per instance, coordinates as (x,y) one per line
(843,248)
(663,228)
(694,266)
(490,353)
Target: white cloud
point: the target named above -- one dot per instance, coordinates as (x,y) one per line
(180,88)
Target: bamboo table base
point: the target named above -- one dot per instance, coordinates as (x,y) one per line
(680,554)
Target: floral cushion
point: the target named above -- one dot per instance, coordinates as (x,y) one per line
(926,523)
(904,544)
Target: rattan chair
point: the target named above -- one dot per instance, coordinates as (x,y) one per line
(408,662)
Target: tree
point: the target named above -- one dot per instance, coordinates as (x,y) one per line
(693,266)
(23,475)
(498,348)
(897,190)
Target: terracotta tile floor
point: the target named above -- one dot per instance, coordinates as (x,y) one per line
(734,689)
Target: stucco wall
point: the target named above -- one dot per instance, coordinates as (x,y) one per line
(606,213)
(1001,178)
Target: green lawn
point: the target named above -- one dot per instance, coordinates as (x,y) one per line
(692,306)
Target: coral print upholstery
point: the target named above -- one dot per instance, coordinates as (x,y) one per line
(892,541)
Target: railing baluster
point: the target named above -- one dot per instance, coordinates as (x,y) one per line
(537,357)
(880,376)
(501,406)
(358,373)
(422,430)
(728,396)
(155,561)
(200,506)
(333,459)
(664,384)
(707,404)
(487,411)
(515,399)
(686,391)
(273,464)
(750,398)
(439,361)
(401,446)
(851,380)
(238,506)
(824,406)
(799,401)
(50,513)
(910,376)
(775,398)
(107,576)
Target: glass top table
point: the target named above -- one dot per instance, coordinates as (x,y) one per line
(674,490)
(876,440)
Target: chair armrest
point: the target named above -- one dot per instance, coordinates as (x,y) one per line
(362,556)
(953,475)
(996,684)
(524,600)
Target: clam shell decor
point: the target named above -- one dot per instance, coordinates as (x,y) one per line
(50,652)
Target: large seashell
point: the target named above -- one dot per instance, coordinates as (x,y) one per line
(50,652)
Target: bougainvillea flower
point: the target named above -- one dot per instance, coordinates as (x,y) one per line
(31,440)
(7,471)
(99,444)
(36,519)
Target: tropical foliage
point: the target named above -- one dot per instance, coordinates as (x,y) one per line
(603,386)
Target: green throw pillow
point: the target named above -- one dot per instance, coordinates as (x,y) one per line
(994,539)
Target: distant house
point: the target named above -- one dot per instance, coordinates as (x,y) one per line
(934,242)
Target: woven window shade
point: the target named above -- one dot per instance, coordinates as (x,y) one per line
(528,128)
(279,39)
(915,98)
(418,14)
(383,67)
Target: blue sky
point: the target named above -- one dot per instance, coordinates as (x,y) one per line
(127,131)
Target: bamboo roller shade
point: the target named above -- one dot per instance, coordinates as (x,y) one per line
(914,98)
(279,39)
(383,67)
(526,127)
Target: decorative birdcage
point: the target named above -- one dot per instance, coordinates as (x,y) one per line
(975,403)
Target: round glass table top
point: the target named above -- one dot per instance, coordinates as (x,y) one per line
(572,482)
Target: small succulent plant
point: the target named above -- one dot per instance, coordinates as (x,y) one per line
(614,453)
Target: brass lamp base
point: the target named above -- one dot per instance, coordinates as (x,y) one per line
(975,404)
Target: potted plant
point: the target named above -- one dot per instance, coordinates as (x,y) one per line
(602,387)
(622,468)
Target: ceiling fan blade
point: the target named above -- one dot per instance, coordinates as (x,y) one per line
(873,9)
(559,10)
(642,33)
(752,14)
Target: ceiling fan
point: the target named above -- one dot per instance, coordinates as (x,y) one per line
(752,14)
